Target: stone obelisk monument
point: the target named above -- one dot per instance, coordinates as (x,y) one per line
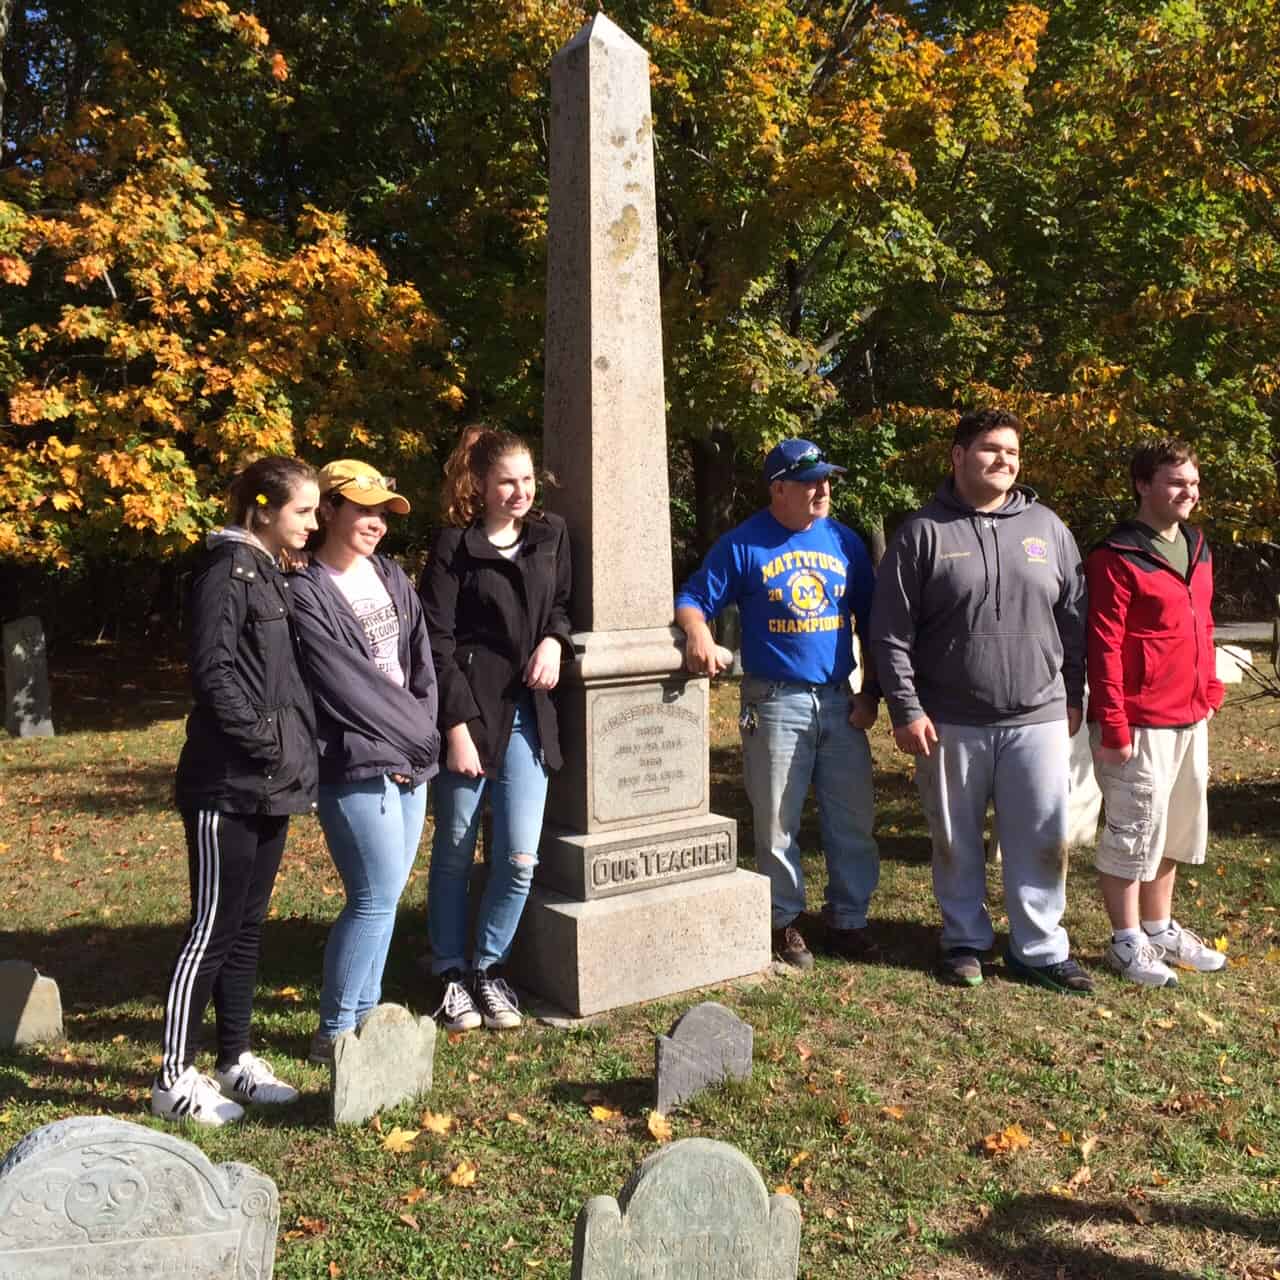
(638,891)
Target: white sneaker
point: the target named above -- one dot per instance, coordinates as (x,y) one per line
(498,1004)
(252,1080)
(457,1011)
(1187,950)
(194,1097)
(1141,962)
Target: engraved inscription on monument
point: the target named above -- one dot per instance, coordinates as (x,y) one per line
(94,1198)
(648,749)
(648,865)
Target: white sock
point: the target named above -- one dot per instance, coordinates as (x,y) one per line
(1152,927)
(1126,935)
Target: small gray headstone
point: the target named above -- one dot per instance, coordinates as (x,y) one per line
(94,1198)
(696,1210)
(707,1044)
(388,1060)
(30,1006)
(28,709)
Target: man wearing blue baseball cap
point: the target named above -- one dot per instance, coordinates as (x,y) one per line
(803,583)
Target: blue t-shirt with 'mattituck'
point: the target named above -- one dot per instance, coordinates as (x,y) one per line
(800,595)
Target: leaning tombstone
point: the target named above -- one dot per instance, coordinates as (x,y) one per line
(707,1045)
(697,1208)
(28,709)
(93,1197)
(388,1060)
(30,1005)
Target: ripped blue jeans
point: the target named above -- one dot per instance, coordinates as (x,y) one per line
(372,829)
(517,796)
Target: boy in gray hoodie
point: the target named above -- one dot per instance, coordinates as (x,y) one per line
(977,628)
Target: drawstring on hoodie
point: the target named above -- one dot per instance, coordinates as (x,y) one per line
(986,569)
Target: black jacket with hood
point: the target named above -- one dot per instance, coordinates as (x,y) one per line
(250,745)
(368,725)
(486,615)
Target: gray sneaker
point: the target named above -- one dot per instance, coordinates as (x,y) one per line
(1187,950)
(1137,960)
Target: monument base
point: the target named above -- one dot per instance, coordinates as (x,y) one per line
(587,957)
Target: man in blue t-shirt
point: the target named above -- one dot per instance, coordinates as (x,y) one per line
(802,581)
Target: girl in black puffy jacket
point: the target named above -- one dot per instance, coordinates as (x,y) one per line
(248,763)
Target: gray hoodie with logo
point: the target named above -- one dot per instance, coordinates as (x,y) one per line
(978,616)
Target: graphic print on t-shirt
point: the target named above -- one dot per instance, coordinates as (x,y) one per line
(372,606)
(807,591)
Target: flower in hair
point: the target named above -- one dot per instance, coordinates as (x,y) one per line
(260,499)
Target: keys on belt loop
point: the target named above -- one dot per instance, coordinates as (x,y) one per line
(749,720)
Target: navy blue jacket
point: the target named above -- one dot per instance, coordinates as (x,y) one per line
(251,736)
(367,725)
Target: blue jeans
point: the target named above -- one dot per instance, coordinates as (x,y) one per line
(373,828)
(802,734)
(517,796)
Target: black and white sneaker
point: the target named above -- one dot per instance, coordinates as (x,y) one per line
(196,1098)
(252,1080)
(498,1004)
(457,1011)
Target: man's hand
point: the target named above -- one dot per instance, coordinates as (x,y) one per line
(1114,755)
(702,655)
(1075,716)
(543,671)
(917,737)
(461,755)
(863,710)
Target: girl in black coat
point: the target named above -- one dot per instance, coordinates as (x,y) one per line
(248,763)
(496,597)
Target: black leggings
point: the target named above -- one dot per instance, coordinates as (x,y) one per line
(233,859)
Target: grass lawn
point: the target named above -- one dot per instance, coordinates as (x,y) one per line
(926,1131)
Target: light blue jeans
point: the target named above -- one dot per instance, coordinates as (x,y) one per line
(373,828)
(1025,771)
(517,797)
(802,735)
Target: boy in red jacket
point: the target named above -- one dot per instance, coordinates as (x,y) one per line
(1152,690)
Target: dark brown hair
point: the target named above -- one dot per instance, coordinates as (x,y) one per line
(1149,458)
(265,485)
(478,448)
(977,421)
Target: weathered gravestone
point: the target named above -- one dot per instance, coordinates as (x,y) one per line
(100,1199)
(707,1044)
(638,890)
(30,1006)
(28,711)
(388,1060)
(696,1210)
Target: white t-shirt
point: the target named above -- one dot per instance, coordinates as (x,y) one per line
(370,602)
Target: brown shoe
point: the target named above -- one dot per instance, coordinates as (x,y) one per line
(852,944)
(789,946)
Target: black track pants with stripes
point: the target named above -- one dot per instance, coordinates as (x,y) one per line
(233,859)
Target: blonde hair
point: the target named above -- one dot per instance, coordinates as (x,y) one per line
(478,448)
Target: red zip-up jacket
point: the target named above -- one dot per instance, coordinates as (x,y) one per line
(1150,635)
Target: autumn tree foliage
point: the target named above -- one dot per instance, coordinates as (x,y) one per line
(318,227)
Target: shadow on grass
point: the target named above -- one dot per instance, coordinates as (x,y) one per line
(1023,1238)
(1244,808)
(112,790)
(630,1096)
(104,687)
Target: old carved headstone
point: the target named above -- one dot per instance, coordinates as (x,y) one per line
(30,1006)
(633,865)
(95,1198)
(388,1060)
(707,1044)
(28,709)
(696,1210)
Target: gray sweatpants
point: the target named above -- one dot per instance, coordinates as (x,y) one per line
(1026,771)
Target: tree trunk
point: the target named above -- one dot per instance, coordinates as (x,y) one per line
(6,14)
(713,459)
